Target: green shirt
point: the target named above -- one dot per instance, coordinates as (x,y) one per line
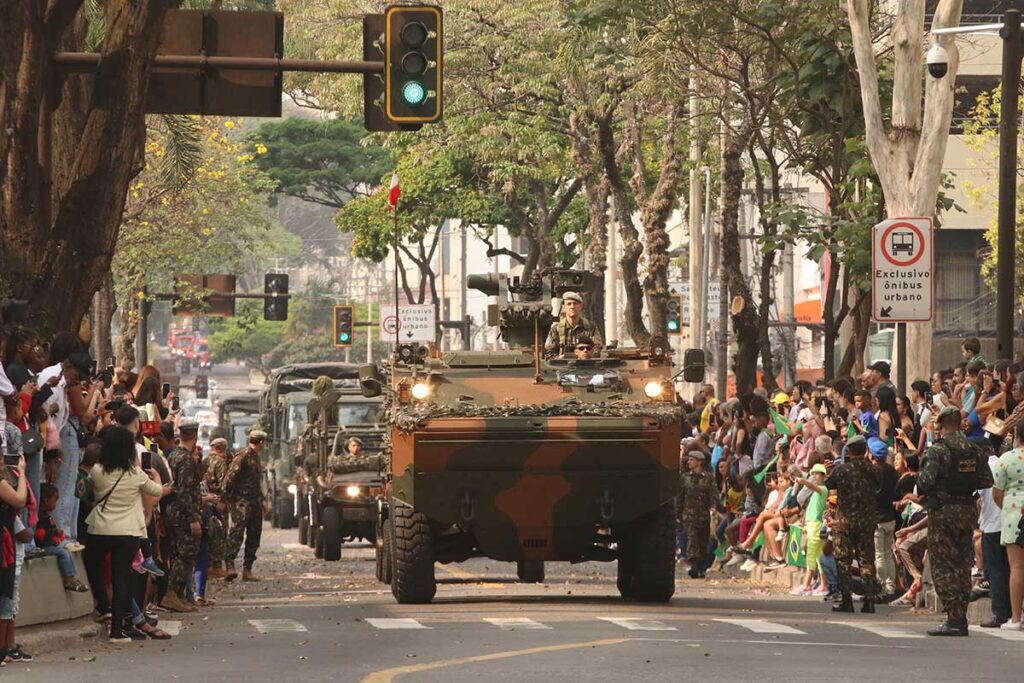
(816,506)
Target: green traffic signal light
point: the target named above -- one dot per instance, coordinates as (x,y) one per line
(673,325)
(414,93)
(344,336)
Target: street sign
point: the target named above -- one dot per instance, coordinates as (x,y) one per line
(414,322)
(902,261)
(714,299)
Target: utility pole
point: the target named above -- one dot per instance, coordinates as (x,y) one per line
(705,266)
(1007,220)
(611,283)
(369,328)
(467,342)
(789,316)
(696,272)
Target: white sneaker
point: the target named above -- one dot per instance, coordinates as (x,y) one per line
(1010,626)
(736,559)
(800,591)
(748,566)
(820,592)
(781,535)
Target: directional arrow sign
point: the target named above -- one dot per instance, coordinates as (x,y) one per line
(902,262)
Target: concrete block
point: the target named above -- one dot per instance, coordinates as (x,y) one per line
(43,599)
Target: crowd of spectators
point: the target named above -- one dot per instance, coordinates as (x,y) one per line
(772,454)
(88,470)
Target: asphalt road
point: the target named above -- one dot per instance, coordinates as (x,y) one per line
(316,621)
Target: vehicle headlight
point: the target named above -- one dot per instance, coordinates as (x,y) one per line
(420,391)
(352,491)
(654,389)
(293,489)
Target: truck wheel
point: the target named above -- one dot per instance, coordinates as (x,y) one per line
(285,515)
(330,535)
(304,530)
(318,543)
(383,555)
(413,580)
(530,571)
(626,569)
(274,511)
(654,553)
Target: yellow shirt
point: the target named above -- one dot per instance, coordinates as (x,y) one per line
(705,416)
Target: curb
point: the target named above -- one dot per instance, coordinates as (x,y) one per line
(61,636)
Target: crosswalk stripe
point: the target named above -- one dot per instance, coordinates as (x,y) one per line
(277,625)
(295,546)
(393,624)
(1000,633)
(517,624)
(879,629)
(633,624)
(172,628)
(762,626)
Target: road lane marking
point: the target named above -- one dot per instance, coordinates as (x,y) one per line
(395,624)
(458,572)
(295,546)
(389,675)
(1000,633)
(517,624)
(879,629)
(172,628)
(277,625)
(762,626)
(639,624)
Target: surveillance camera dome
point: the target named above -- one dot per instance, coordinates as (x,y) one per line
(938,61)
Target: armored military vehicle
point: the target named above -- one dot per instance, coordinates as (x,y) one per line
(235,417)
(283,416)
(341,492)
(514,457)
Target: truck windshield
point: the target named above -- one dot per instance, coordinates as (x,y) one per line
(354,413)
(296,422)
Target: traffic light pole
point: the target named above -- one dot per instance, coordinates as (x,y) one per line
(85,62)
(1007,220)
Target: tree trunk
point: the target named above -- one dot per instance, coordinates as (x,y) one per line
(103,315)
(125,352)
(745,325)
(58,227)
(852,363)
(766,280)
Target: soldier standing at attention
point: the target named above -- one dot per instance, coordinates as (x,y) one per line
(697,495)
(856,483)
(216,471)
(243,485)
(570,327)
(183,521)
(951,471)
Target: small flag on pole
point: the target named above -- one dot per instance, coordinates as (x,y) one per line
(394,193)
(781,426)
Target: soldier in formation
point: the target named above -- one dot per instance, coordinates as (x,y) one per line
(216,471)
(570,327)
(951,471)
(856,483)
(182,520)
(243,487)
(697,496)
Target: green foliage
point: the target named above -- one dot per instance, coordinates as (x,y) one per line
(319,161)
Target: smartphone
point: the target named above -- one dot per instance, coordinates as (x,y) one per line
(11,460)
(175,404)
(166,389)
(147,460)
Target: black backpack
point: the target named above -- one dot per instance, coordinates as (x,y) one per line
(962,478)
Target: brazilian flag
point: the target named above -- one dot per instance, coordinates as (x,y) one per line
(796,554)
(781,426)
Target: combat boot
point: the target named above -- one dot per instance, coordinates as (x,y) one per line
(868,607)
(247,574)
(950,627)
(230,574)
(845,605)
(216,571)
(174,603)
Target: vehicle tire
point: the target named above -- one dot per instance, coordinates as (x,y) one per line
(626,568)
(318,544)
(285,515)
(304,530)
(530,571)
(274,511)
(412,580)
(330,534)
(653,554)
(383,554)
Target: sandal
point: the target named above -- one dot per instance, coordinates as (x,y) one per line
(76,586)
(156,633)
(904,601)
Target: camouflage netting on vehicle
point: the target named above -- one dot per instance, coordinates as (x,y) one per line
(408,418)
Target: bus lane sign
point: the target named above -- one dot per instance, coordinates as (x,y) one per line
(902,263)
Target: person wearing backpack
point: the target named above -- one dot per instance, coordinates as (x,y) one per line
(951,472)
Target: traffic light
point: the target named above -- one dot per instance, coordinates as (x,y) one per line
(275,307)
(412,64)
(343,322)
(674,315)
(202,385)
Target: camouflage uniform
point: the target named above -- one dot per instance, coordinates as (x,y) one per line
(697,495)
(182,511)
(216,531)
(243,485)
(562,336)
(951,522)
(856,483)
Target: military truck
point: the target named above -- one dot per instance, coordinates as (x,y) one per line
(516,457)
(235,417)
(283,415)
(342,492)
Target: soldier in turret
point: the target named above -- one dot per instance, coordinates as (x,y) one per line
(566,332)
(352,459)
